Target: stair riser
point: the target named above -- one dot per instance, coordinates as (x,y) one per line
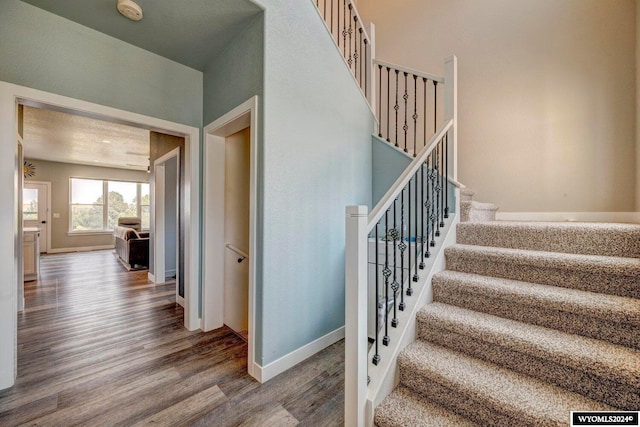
(619,395)
(587,241)
(595,280)
(537,314)
(465,403)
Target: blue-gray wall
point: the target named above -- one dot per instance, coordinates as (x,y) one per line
(388,164)
(236,73)
(316,160)
(44,51)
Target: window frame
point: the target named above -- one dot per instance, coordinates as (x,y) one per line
(105,205)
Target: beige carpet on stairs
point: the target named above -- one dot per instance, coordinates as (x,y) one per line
(530,321)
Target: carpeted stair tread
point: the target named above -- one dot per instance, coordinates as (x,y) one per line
(602,316)
(596,357)
(589,238)
(478,389)
(605,274)
(403,407)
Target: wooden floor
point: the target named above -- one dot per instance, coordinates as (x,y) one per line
(101,346)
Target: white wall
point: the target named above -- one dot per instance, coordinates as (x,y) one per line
(546,94)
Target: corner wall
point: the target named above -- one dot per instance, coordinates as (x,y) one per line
(546,94)
(316,159)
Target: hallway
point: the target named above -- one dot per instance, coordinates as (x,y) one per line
(98,345)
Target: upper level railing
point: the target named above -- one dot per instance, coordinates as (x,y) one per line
(351,36)
(406,105)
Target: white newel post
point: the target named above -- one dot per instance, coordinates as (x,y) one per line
(355,387)
(451,109)
(371,55)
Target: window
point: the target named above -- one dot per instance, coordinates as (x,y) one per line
(92,211)
(29,204)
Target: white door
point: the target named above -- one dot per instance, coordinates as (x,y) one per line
(35,208)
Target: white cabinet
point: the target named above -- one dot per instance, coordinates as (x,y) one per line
(31,253)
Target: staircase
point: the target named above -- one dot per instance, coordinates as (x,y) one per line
(529,322)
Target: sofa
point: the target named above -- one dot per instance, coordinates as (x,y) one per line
(131,244)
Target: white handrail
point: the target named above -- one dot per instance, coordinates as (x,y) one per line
(240,252)
(431,77)
(386,201)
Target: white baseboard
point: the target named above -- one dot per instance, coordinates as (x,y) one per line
(151,277)
(629,217)
(265,373)
(80,249)
(180,300)
(170,273)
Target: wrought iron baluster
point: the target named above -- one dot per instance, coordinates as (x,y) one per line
(427,206)
(405,128)
(367,68)
(350,60)
(376,356)
(395,285)
(416,277)
(402,247)
(422,217)
(397,107)
(355,46)
(386,273)
(357,55)
(432,215)
(344,29)
(409,290)
(388,101)
(415,114)
(437,179)
(435,106)
(446,174)
(443,188)
(380,100)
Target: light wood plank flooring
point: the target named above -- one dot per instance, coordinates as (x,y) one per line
(101,346)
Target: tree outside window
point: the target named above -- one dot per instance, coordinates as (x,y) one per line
(90,212)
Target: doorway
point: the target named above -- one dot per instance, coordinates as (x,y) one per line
(36,210)
(10,230)
(229,225)
(167,220)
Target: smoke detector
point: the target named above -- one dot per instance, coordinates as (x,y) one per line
(130,9)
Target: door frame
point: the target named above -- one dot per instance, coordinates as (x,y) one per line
(10,231)
(48,234)
(213,236)
(158,215)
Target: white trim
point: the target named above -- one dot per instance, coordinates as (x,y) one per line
(10,94)
(80,249)
(179,300)
(49,201)
(151,277)
(632,217)
(288,361)
(213,238)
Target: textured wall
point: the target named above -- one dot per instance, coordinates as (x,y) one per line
(546,94)
(316,159)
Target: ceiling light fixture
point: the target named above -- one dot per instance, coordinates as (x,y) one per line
(106,141)
(130,9)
